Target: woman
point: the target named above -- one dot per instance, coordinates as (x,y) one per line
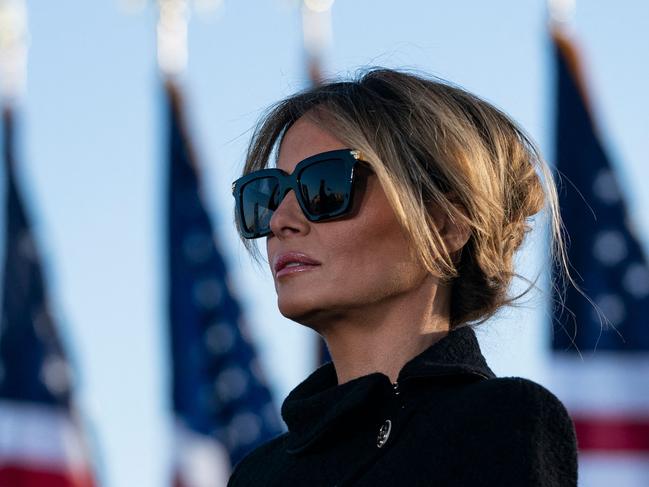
(391,220)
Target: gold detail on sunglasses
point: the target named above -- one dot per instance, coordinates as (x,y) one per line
(356,154)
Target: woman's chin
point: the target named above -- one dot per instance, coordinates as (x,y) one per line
(308,312)
(295,311)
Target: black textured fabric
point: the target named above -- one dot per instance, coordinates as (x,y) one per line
(451,423)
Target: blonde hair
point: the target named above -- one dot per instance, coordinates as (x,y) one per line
(435,148)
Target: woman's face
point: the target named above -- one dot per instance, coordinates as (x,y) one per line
(348,264)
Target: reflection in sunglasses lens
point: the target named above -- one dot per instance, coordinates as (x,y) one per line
(260,198)
(325,186)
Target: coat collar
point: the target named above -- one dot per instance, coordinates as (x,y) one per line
(318,404)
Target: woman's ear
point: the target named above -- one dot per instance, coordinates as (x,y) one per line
(453,228)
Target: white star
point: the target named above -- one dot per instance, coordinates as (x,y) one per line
(55,374)
(198,247)
(610,247)
(231,383)
(208,293)
(219,338)
(636,280)
(244,429)
(605,187)
(612,308)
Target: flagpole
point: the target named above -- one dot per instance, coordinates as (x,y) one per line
(561,12)
(171,35)
(317,35)
(13,50)
(172,30)
(13,69)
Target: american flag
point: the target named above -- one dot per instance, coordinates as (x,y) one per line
(600,370)
(41,442)
(222,406)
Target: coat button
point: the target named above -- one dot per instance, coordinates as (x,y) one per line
(384,433)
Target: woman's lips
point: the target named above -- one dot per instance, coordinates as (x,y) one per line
(294,269)
(293,262)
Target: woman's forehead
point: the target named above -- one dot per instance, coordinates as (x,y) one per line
(303,139)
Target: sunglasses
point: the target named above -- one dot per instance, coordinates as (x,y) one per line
(323,186)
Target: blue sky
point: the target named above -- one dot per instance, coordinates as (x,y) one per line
(92,161)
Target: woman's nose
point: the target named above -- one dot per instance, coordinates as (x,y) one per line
(288,219)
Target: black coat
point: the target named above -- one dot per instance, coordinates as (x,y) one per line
(448,421)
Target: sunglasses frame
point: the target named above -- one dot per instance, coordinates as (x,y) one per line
(287,182)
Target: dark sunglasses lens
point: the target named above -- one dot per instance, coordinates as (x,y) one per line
(325,187)
(259,199)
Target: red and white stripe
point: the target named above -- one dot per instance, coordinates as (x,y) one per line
(199,460)
(607,394)
(41,446)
